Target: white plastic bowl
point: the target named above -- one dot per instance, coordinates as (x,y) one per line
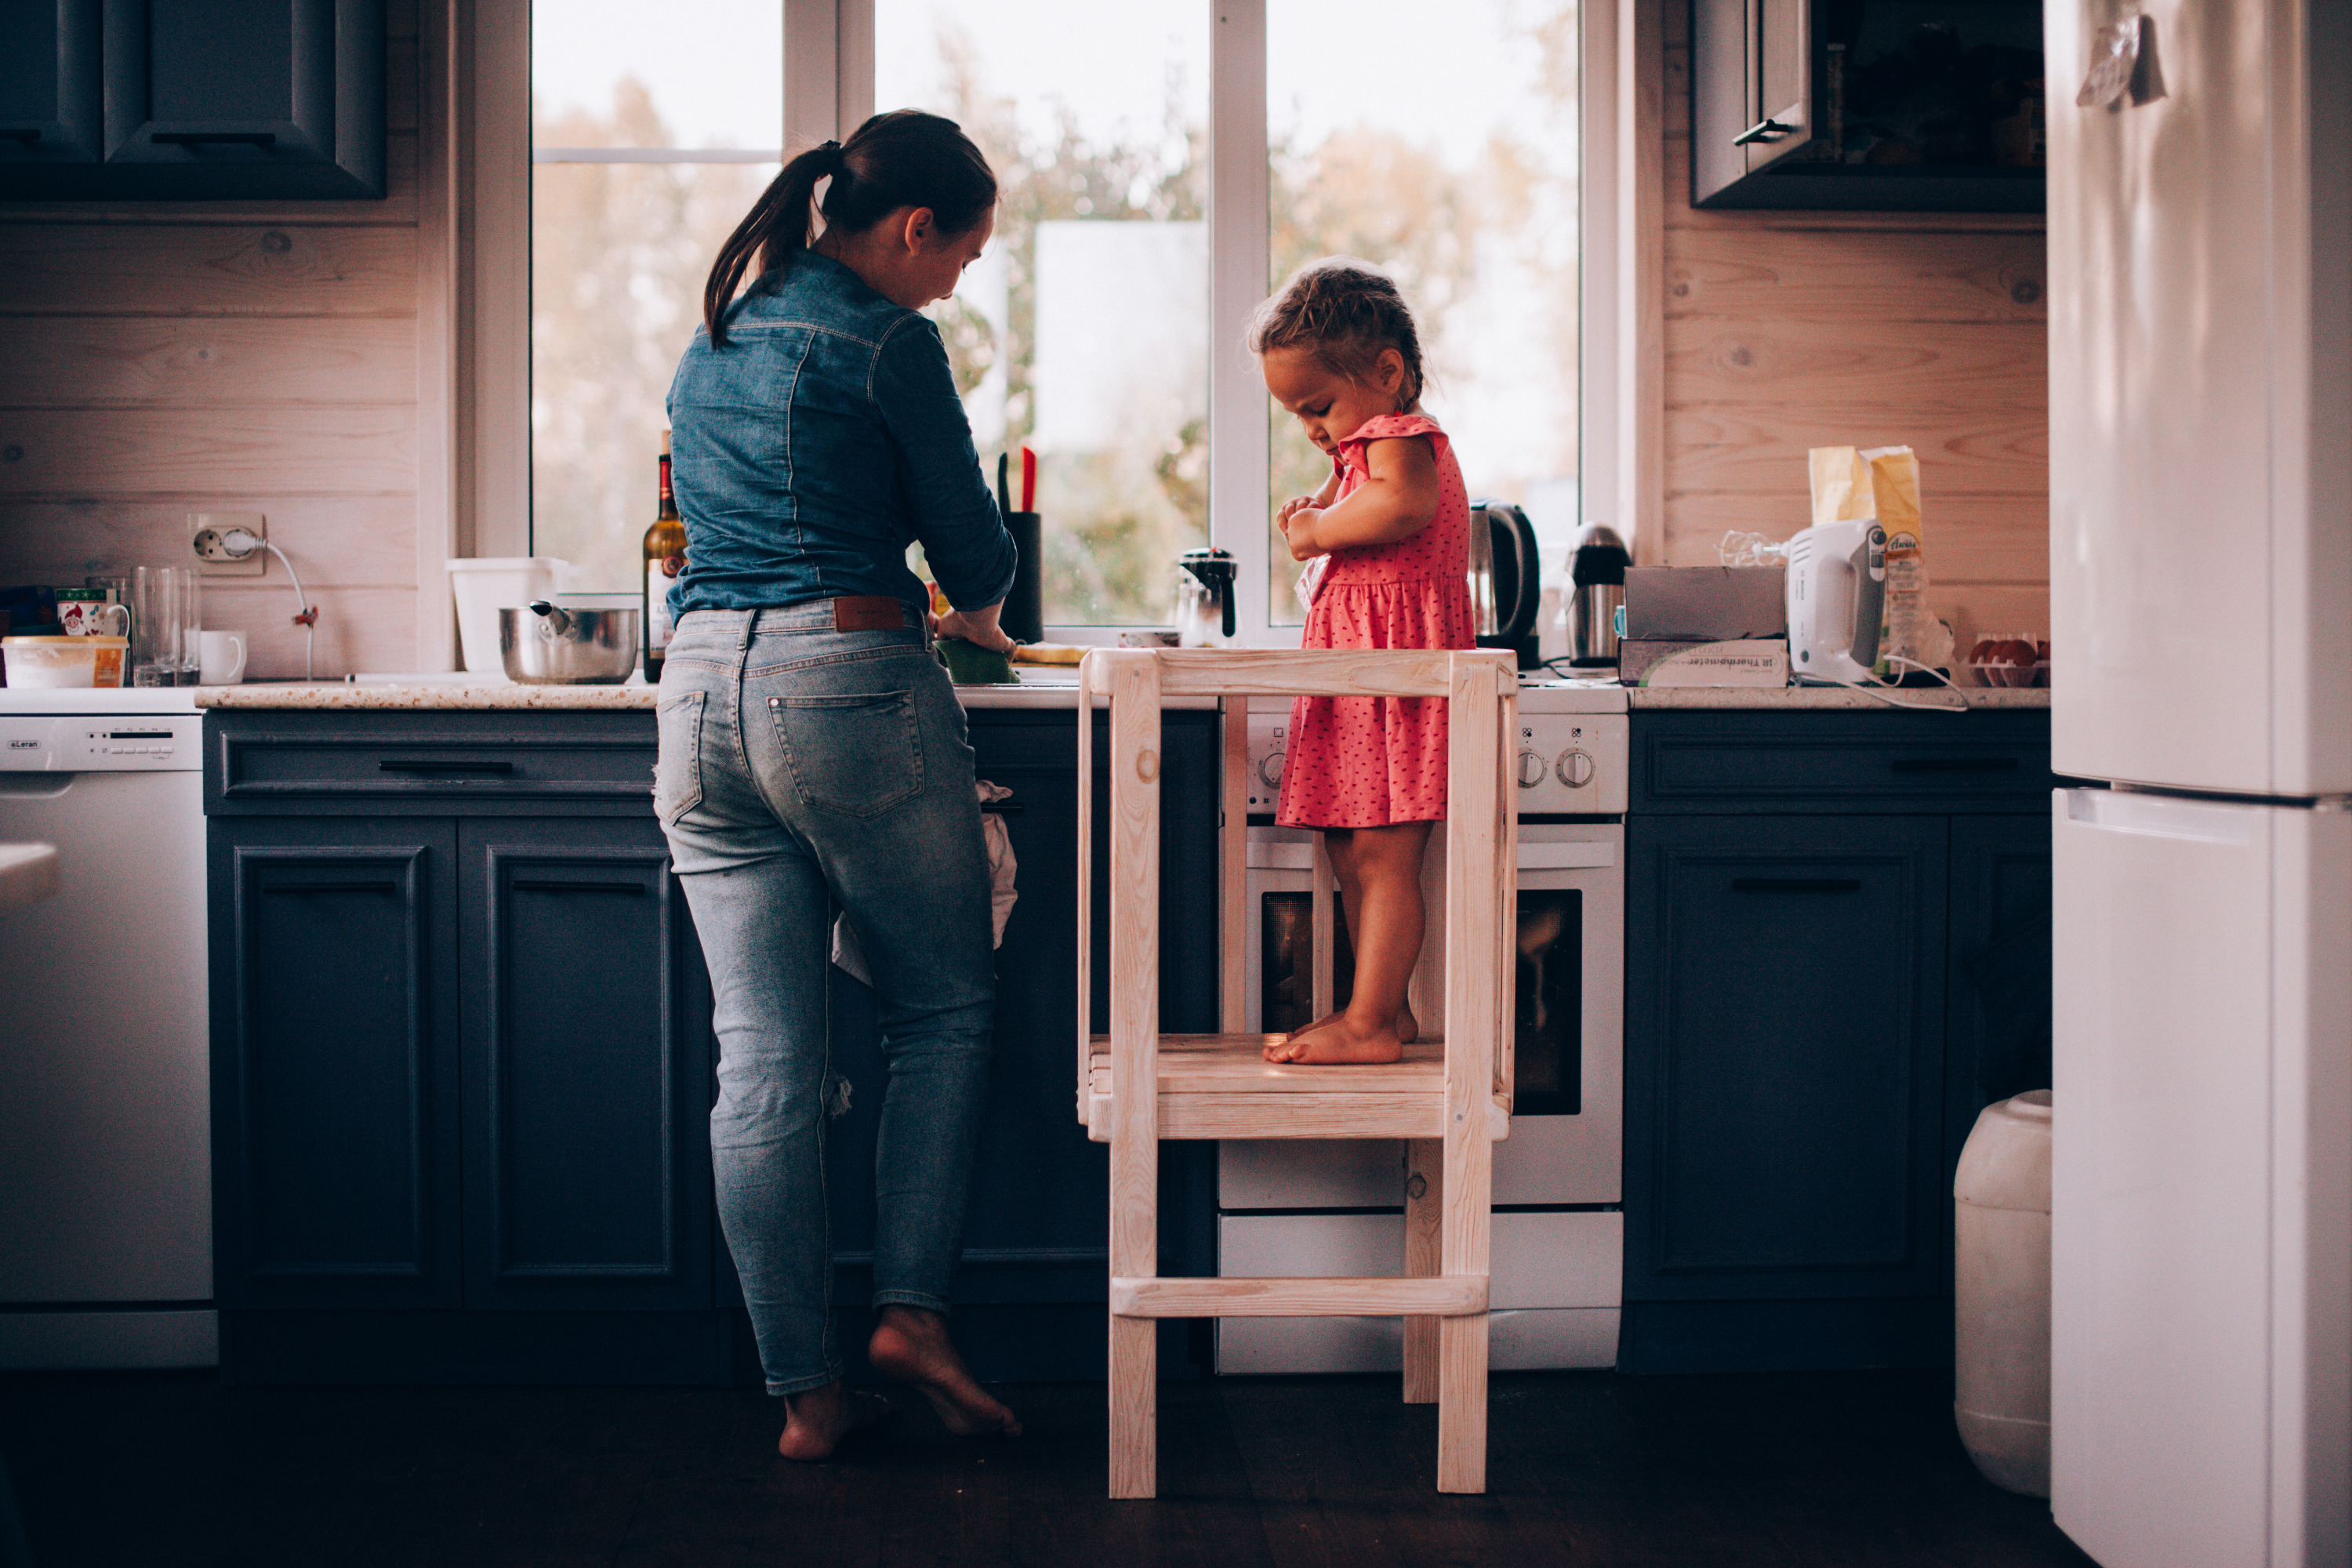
(65,661)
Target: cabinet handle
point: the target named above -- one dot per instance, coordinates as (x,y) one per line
(1762,131)
(1796,885)
(215,138)
(539,885)
(333,888)
(393,766)
(1955,765)
(1002,807)
(30,137)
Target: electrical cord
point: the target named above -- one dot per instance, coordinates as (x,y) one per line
(1879,694)
(241,544)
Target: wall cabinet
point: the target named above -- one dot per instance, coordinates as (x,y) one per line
(192,99)
(1832,953)
(463,1059)
(1888,105)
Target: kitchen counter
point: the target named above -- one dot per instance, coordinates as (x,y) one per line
(1043,686)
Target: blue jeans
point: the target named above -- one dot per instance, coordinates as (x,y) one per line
(802,768)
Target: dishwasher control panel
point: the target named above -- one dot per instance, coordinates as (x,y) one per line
(86,743)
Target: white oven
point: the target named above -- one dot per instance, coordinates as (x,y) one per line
(1315,1206)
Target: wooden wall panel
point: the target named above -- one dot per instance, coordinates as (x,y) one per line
(158,359)
(213,362)
(1787,330)
(250,450)
(212,269)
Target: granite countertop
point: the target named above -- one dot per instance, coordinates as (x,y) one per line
(1815,697)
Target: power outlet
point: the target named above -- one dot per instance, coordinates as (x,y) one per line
(205,530)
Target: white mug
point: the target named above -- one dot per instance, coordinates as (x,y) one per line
(221,661)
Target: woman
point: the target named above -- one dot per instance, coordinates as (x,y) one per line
(813,752)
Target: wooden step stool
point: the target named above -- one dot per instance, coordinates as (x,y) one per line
(1452,1098)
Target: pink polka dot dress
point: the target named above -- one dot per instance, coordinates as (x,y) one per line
(1368,761)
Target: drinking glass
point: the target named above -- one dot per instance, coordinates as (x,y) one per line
(158,627)
(187,666)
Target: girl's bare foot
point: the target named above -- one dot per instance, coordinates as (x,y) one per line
(1408,1029)
(1342,1040)
(911,1345)
(816,1422)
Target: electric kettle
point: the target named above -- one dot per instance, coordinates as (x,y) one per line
(1505,580)
(1837,597)
(1204,599)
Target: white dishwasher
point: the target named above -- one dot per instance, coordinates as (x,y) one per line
(105,1114)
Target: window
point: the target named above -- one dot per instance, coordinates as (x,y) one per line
(1164,165)
(649,145)
(1082,333)
(1452,165)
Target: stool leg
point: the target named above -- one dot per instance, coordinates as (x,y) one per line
(1134,1407)
(1424,1201)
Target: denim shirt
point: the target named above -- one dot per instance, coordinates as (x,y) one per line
(825,438)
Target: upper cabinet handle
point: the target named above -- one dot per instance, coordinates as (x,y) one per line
(1762,131)
(215,138)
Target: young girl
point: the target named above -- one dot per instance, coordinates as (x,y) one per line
(1338,350)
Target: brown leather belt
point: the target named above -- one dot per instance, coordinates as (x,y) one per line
(869,613)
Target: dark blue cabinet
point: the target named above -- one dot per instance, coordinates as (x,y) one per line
(335,1064)
(52,105)
(587,1064)
(192,98)
(462,1054)
(1837,931)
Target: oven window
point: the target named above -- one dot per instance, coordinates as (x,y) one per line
(1287,961)
(1550,1064)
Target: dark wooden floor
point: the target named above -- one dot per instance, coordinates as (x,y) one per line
(1834,1470)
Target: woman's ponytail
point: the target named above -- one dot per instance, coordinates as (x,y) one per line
(903,158)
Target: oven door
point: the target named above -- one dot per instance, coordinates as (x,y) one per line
(1567,1128)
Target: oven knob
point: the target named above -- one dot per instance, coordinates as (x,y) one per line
(1575,768)
(1270,771)
(1531,770)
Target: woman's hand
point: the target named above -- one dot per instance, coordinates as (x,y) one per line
(978,627)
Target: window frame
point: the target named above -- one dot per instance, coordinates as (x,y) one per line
(828,78)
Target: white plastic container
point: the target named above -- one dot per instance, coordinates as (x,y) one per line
(489,583)
(2000,1381)
(64,661)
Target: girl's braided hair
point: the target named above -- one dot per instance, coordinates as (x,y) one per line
(1345,312)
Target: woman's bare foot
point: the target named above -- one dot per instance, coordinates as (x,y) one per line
(816,1422)
(1343,1040)
(911,1345)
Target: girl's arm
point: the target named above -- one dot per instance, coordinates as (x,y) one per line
(1397,499)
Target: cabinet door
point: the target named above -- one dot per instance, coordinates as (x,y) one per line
(50,105)
(1783,1055)
(1998,1012)
(587,1031)
(244,98)
(334,1063)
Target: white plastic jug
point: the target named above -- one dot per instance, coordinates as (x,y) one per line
(487,585)
(2000,1381)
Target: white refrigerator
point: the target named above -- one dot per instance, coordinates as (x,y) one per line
(2200,383)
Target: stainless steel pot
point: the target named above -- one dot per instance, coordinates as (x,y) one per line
(542,645)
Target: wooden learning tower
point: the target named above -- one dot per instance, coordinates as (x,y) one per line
(1452,1098)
